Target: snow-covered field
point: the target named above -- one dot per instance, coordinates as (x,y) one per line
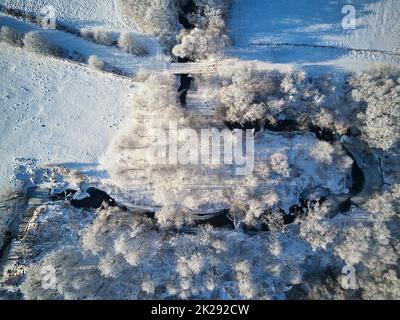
(310,35)
(77,13)
(55,111)
(112,56)
(85,215)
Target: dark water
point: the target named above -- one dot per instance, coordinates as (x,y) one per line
(184,87)
(95,200)
(323,134)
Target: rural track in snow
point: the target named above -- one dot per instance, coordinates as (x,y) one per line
(377,54)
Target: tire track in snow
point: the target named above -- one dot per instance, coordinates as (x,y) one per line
(393,56)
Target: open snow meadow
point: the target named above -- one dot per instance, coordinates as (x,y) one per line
(199,149)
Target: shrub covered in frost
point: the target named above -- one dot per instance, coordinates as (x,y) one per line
(37,42)
(132,43)
(154,17)
(100,36)
(96,63)
(11,36)
(323,151)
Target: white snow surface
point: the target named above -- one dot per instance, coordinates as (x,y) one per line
(309,33)
(55,111)
(110,55)
(78,13)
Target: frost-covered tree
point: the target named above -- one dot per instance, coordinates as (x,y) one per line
(243,93)
(209,36)
(250,91)
(96,63)
(11,36)
(37,42)
(125,257)
(279,164)
(322,151)
(378,91)
(100,35)
(132,43)
(315,228)
(198,44)
(207,39)
(154,17)
(368,242)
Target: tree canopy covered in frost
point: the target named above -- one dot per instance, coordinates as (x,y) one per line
(160,18)
(183,189)
(208,38)
(152,16)
(323,152)
(249,92)
(119,254)
(124,256)
(379,91)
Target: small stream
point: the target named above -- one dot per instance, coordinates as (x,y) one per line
(97,198)
(221,219)
(358,176)
(185,79)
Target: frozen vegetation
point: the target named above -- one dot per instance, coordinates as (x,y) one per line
(95,205)
(379,92)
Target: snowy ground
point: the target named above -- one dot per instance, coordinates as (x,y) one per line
(55,111)
(112,56)
(309,34)
(78,14)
